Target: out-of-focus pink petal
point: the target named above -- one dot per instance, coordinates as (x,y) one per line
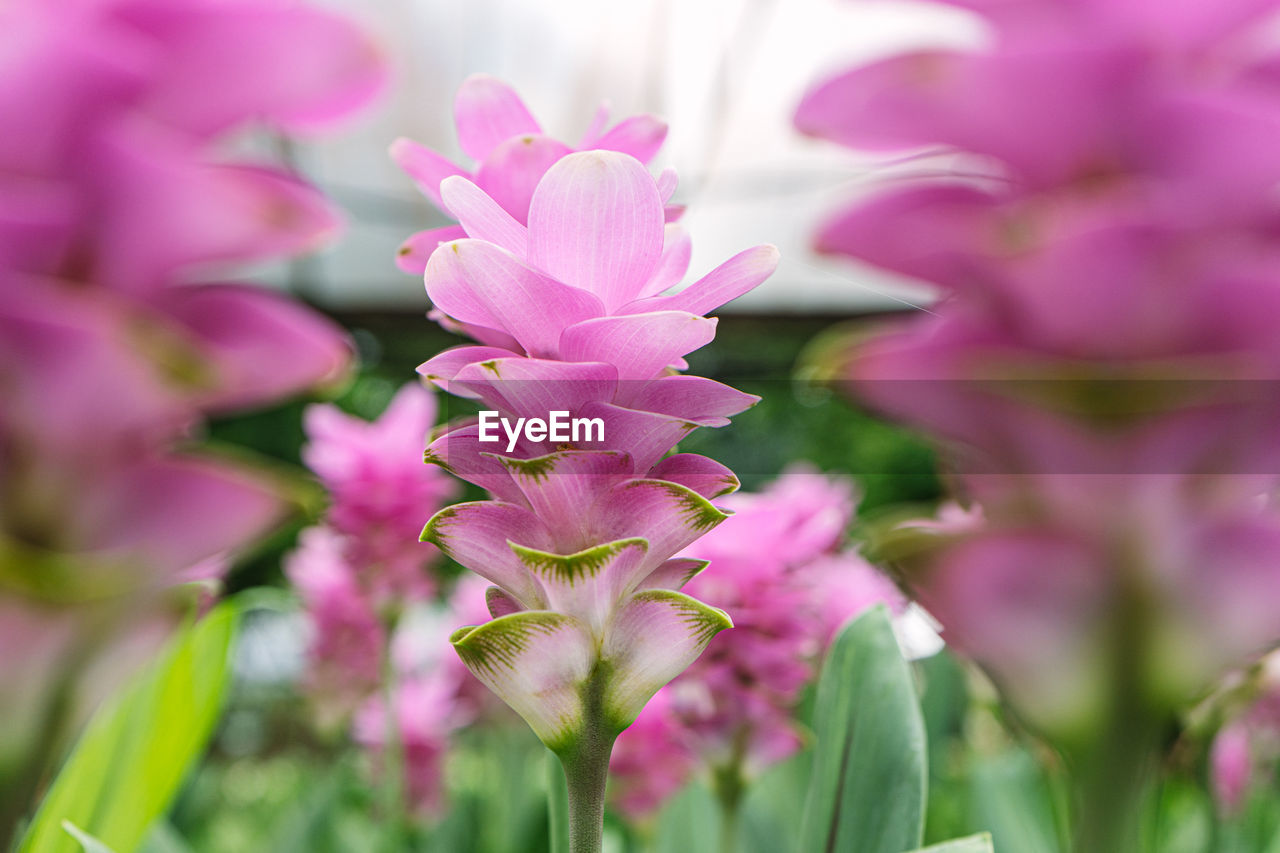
(511,172)
(639,345)
(487,113)
(595,222)
(536,661)
(728,281)
(166,515)
(427,168)
(639,136)
(294,65)
(476,282)
(476,535)
(482,217)
(598,123)
(653,639)
(262,345)
(668,181)
(414,253)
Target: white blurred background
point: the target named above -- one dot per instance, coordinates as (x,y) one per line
(726,74)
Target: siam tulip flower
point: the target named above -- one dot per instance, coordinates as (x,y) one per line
(374,473)
(580,542)
(119,205)
(511,154)
(1099,366)
(790,585)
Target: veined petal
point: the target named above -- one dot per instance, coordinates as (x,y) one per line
(653,639)
(562,488)
(647,436)
(697,399)
(668,180)
(595,221)
(640,136)
(413,253)
(701,474)
(674,573)
(639,345)
(476,282)
(589,583)
(677,249)
(442,368)
(511,172)
(477,534)
(488,112)
(667,515)
(500,603)
(483,334)
(531,387)
(536,662)
(460,452)
(424,166)
(482,217)
(741,273)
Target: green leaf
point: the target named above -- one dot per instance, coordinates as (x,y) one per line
(1010,797)
(135,753)
(87,841)
(980,843)
(870,773)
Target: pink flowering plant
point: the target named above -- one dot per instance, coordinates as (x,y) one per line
(1099,366)
(580,539)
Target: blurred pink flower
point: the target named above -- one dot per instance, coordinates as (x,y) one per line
(380,489)
(1100,365)
(512,154)
(790,584)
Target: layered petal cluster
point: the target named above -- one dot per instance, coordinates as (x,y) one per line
(580,541)
(117,203)
(1102,359)
(364,566)
(510,154)
(790,582)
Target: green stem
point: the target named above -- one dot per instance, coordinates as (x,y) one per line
(586,770)
(393,759)
(729,785)
(1114,772)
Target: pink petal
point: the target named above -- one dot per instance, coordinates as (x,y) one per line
(562,488)
(483,334)
(595,222)
(460,452)
(652,640)
(262,346)
(667,515)
(511,172)
(163,516)
(596,128)
(536,662)
(741,273)
(528,387)
(639,136)
(476,282)
(413,253)
(427,168)
(499,603)
(674,573)
(477,535)
(639,345)
(705,476)
(691,398)
(677,249)
(482,217)
(647,436)
(668,180)
(488,112)
(441,369)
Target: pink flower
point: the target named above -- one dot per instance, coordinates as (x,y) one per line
(512,153)
(380,488)
(790,585)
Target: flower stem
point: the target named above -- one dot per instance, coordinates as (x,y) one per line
(586,771)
